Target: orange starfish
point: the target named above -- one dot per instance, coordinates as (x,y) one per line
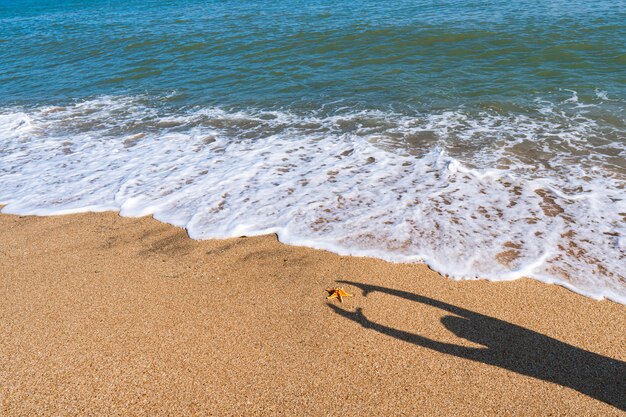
(337,293)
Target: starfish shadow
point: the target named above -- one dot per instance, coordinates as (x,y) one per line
(510,347)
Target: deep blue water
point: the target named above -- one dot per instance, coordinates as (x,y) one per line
(307,53)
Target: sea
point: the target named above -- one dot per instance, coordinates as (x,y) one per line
(486,139)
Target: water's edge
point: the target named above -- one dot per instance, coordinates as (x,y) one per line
(482,194)
(338,251)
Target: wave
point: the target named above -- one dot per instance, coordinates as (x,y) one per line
(488,194)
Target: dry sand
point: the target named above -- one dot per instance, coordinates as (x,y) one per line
(103,315)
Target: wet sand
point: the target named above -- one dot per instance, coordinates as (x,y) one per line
(104,315)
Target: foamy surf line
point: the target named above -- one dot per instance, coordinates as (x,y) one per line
(481,195)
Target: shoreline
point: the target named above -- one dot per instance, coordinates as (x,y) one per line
(333,250)
(113,315)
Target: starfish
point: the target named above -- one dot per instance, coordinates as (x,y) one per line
(337,293)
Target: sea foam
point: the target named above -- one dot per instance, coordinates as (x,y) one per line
(474,195)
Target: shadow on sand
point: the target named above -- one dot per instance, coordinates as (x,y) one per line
(510,347)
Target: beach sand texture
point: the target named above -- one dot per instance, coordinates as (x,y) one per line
(104,315)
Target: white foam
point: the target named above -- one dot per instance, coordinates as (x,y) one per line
(489,195)
(601,94)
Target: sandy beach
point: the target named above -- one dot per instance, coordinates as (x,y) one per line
(104,315)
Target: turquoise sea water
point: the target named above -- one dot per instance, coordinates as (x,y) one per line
(303,54)
(486,138)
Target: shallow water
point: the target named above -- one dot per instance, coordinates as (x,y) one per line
(487,139)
